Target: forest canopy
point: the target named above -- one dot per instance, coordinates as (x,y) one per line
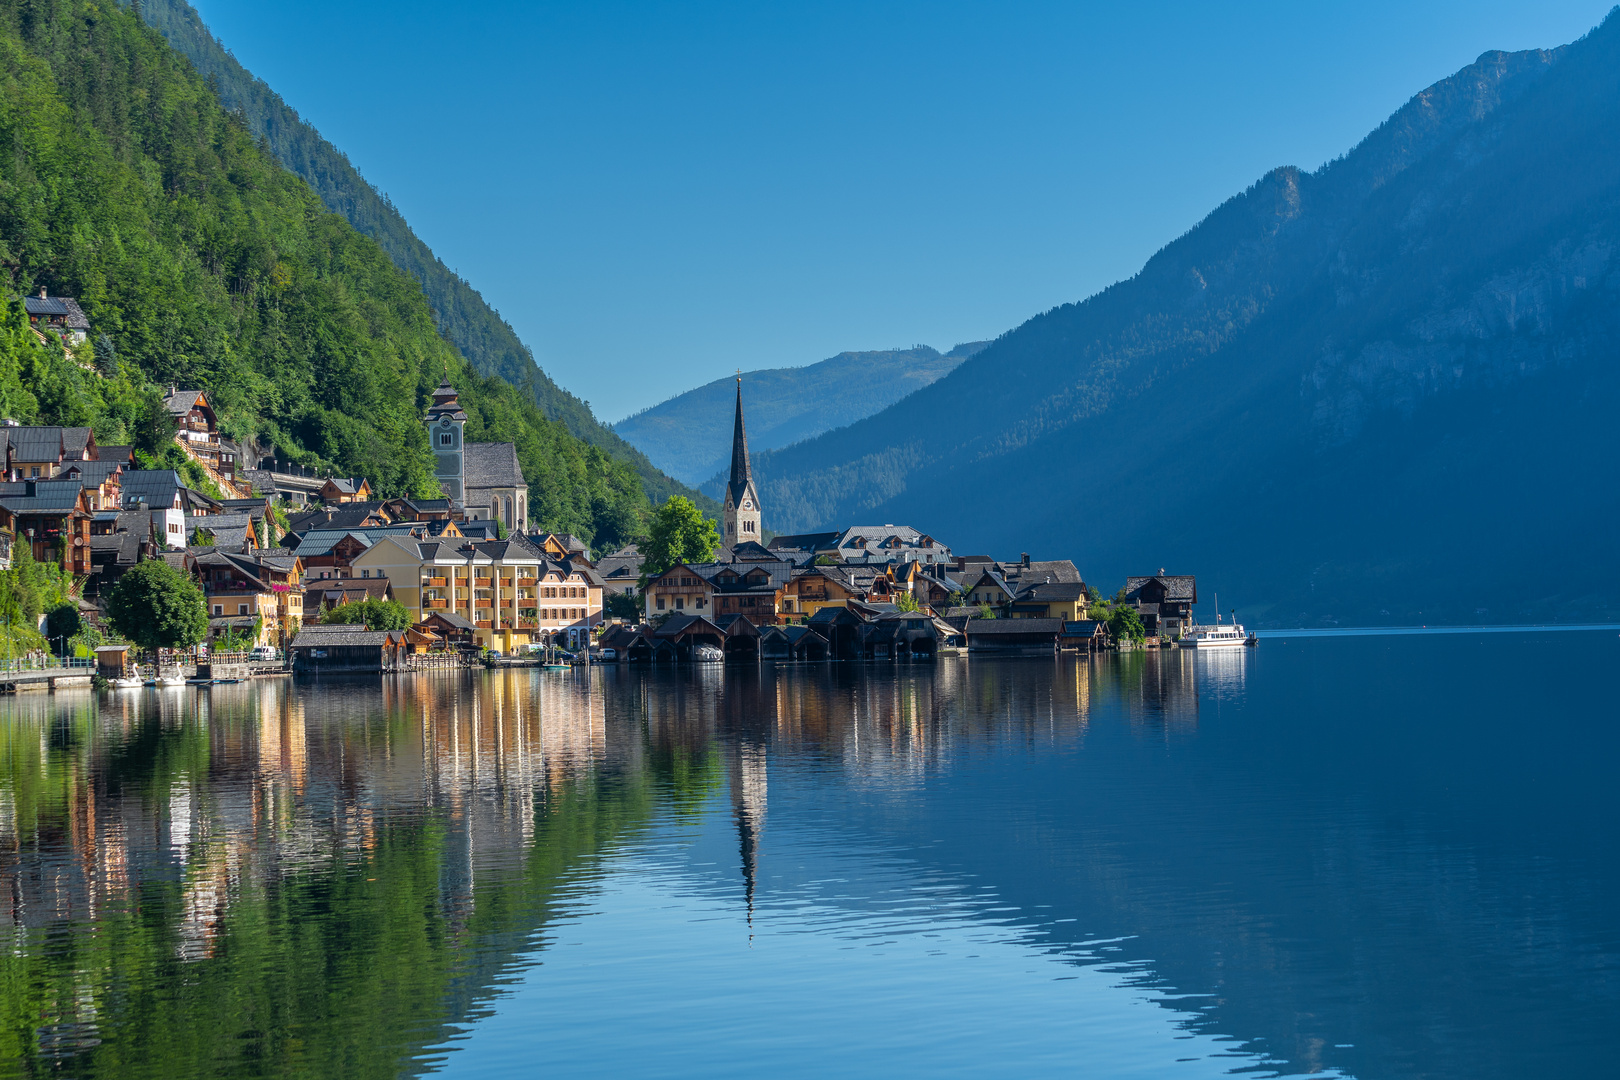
(201,262)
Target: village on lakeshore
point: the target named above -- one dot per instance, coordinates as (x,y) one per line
(279,554)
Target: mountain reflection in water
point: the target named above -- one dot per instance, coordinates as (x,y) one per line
(1373,857)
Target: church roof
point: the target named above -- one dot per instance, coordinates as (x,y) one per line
(742,472)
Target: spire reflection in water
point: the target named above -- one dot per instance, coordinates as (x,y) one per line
(1297,858)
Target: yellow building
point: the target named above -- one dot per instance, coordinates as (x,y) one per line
(1064,600)
(510,592)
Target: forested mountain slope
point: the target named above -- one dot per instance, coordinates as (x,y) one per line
(689,436)
(201,261)
(1383,391)
(462,315)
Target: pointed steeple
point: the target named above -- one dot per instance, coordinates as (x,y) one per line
(742,473)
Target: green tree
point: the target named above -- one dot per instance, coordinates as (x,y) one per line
(62,622)
(623,605)
(986,611)
(906,601)
(1125,624)
(679,533)
(157,607)
(372,614)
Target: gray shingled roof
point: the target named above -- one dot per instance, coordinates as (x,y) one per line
(977,627)
(157,486)
(1052,592)
(492,465)
(1179,588)
(339,635)
(35,443)
(44,305)
(47,496)
(181,401)
(76,318)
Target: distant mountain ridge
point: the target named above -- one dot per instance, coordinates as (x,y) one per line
(464,318)
(689,436)
(1379,392)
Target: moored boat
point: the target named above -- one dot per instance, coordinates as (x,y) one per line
(1219,636)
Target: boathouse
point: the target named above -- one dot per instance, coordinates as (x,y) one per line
(1014,637)
(341,650)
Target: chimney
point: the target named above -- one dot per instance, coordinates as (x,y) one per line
(42,292)
(1161,571)
(1025,557)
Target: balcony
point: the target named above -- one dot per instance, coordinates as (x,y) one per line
(482,624)
(436,605)
(526,624)
(435,583)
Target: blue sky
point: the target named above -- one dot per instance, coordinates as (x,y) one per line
(655,194)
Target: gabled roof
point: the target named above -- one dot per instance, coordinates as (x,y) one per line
(41,496)
(35,443)
(180,402)
(159,487)
(822,541)
(1038,570)
(340,635)
(319,542)
(980,627)
(120,454)
(490,465)
(90,473)
(449,618)
(44,305)
(1179,588)
(76,318)
(1052,592)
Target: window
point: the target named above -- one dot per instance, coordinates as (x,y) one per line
(446,439)
(660,603)
(680,602)
(219,609)
(173,527)
(241,609)
(748,526)
(365,573)
(699,601)
(33,470)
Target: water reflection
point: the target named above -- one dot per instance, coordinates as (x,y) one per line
(277,877)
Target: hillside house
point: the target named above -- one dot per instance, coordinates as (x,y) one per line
(57,316)
(37,453)
(196,425)
(53,518)
(339,490)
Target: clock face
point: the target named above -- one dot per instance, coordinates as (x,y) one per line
(445,421)
(748,504)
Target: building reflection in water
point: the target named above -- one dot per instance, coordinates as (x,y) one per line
(220,793)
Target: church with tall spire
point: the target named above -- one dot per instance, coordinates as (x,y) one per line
(741,515)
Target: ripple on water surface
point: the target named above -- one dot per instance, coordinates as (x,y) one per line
(1371,857)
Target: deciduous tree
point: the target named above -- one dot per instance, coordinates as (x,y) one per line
(157,607)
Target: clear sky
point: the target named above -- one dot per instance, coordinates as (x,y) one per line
(655,194)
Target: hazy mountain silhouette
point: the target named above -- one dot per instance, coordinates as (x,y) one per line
(689,436)
(1381,391)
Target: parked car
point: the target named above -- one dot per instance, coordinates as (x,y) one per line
(607,654)
(264,654)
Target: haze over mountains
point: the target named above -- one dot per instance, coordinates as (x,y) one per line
(1383,391)
(689,436)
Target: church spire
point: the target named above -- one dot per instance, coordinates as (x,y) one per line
(742,472)
(741,512)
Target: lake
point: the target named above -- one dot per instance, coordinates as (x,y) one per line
(1373,856)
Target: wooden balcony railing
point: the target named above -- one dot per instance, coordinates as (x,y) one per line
(436,605)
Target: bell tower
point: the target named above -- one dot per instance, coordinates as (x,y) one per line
(741,516)
(445,426)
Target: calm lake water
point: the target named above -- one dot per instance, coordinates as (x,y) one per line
(1371,857)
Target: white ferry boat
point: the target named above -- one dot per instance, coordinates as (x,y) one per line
(1219,636)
